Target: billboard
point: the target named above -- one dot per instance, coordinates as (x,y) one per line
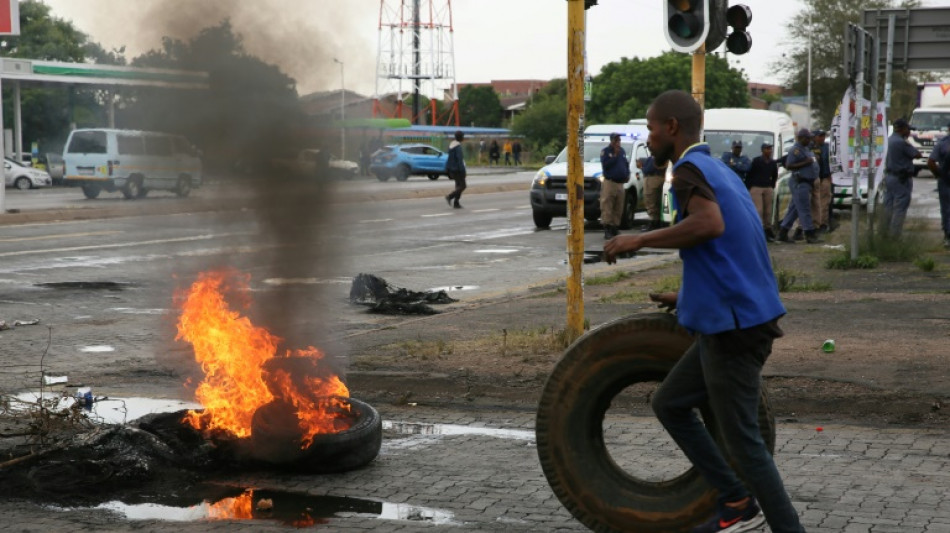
(9,17)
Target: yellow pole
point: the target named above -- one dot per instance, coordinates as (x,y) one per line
(699,76)
(575,167)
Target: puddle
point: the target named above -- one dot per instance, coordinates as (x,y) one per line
(108,410)
(415,428)
(455,288)
(89,285)
(288,508)
(97,349)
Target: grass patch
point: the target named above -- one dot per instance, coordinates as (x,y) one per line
(794,281)
(422,350)
(668,284)
(625,296)
(608,279)
(843,261)
(927,264)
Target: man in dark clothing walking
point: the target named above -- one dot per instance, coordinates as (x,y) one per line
(804,169)
(729,298)
(821,193)
(653,178)
(763,173)
(455,167)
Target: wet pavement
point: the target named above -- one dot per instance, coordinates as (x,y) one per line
(450,471)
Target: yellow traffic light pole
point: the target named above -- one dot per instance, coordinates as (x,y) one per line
(576,40)
(699,76)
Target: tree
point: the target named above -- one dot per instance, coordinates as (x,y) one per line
(479,106)
(624,89)
(48,111)
(544,122)
(824,21)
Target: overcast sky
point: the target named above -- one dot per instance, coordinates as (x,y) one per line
(494,39)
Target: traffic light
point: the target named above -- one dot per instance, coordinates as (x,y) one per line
(589,3)
(687,23)
(739,17)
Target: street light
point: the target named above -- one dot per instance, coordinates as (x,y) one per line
(342,111)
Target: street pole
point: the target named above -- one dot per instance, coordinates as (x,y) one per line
(809,69)
(575,167)
(342,111)
(891,22)
(855,174)
(699,76)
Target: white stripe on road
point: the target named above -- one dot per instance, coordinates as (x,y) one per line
(437,215)
(61,236)
(121,245)
(375,221)
(485,210)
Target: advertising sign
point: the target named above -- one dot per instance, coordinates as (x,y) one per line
(9,17)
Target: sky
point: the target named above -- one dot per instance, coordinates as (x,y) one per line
(493,39)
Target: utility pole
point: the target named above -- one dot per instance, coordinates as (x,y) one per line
(576,39)
(342,111)
(699,76)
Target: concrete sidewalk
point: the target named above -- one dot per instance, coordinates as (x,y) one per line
(462,477)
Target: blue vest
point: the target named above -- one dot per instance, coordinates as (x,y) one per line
(728,282)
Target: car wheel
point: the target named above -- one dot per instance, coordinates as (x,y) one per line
(629,209)
(541,220)
(570,429)
(133,188)
(402,173)
(350,175)
(91,191)
(23,183)
(433,177)
(183,187)
(382,177)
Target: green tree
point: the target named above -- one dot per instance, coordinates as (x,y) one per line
(624,89)
(479,106)
(48,111)
(544,122)
(824,22)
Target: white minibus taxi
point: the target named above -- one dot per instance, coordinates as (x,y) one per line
(130,161)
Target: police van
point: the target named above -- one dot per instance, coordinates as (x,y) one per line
(548,192)
(133,162)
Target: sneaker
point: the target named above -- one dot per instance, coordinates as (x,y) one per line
(731,520)
(457,206)
(798,235)
(448,199)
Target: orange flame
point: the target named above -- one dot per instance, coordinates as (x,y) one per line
(232,353)
(239,508)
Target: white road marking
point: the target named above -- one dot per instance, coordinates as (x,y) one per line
(486,210)
(375,221)
(61,236)
(436,215)
(120,245)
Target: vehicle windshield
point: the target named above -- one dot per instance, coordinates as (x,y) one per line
(929,120)
(591,152)
(720,141)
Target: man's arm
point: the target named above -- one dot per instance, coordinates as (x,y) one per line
(703,224)
(744,164)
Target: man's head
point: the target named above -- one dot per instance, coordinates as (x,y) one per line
(767,150)
(459,136)
(615,139)
(674,120)
(737,148)
(902,127)
(819,136)
(803,136)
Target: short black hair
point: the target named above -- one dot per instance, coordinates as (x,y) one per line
(681,106)
(459,135)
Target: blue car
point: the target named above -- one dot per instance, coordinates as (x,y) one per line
(404,160)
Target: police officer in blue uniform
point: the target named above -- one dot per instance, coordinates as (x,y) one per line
(898,178)
(804,167)
(739,163)
(939,164)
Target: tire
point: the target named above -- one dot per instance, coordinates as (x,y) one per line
(183,187)
(590,217)
(133,188)
(629,209)
(23,183)
(541,220)
(91,191)
(382,177)
(328,453)
(569,427)
(402,172)
(433,177)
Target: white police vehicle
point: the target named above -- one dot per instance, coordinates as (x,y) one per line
(549,188)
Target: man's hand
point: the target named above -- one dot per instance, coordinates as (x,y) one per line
(619,245)
(667,300)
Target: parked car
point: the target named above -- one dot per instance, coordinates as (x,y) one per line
(23,177)
(133,162)
(549,189)
(404,160)
(305,164)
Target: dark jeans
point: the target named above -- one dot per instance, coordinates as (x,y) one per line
(943,192)
(800,206)
(896,201)
(723,371)
(459,178)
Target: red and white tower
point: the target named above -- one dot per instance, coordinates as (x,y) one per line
(416,56)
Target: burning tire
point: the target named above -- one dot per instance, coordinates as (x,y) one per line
(570,434)
(275,440)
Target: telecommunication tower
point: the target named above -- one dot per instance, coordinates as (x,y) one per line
(416,55)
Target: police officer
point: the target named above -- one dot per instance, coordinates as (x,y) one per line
(804,167)
(739,163)
(616,167)
(939,164)
(898,178)
(821,194)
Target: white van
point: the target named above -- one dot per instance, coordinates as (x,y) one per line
(134,162)
(722,127)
